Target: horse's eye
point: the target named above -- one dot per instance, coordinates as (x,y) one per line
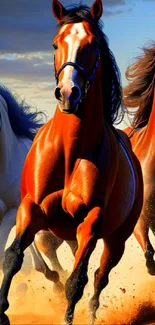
(55,46)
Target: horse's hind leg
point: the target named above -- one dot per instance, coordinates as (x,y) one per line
(141,233)
(39,263)
(73,245)
(30,220)
(48,244)
(87,238)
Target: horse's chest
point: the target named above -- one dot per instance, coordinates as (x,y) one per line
(43,173)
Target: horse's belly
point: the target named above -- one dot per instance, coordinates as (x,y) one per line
(122,198)
(63,226)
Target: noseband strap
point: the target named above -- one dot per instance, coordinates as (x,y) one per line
(72,64)
(81,70)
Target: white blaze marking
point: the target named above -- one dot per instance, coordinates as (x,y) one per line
(73,40)
(77,33)
(63,29)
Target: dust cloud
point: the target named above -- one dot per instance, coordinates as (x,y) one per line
(129,298)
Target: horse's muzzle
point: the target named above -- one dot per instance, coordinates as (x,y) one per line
(68,98)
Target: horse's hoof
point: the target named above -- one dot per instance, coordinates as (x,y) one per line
(58,287)
(4,320)
(52,275)
(150,267)
(151,270)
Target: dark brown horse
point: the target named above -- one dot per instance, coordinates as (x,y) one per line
(140,93)
(81,179)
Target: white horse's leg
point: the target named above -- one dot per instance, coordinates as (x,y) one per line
(8,222)
(37,259)
(48,244)
(41,266)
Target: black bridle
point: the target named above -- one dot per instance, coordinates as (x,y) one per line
(81,70)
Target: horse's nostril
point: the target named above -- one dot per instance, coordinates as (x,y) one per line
(76,93)
(58,93)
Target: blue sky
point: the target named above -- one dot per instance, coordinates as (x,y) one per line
(27,29)
(130,31)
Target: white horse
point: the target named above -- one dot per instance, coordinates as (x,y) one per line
(18,126)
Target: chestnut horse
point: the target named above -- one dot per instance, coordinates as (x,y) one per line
(140,93)
(80,178)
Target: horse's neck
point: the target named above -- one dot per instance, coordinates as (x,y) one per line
(7,145)
(80,133)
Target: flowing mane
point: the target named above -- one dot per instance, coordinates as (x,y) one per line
(24,122)
(111,84)
(140,91)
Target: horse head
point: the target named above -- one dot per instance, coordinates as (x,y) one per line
(76,54)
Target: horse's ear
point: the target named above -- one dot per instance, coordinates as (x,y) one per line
(58,10)
(96,9)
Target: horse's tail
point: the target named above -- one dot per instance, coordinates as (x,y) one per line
(23,120)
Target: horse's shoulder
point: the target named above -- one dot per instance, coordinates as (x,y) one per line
(42,130)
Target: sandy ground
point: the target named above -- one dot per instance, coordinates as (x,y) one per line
(128,299)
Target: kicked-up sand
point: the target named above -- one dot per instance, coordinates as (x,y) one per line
(129,298)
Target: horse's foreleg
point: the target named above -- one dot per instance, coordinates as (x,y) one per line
(87,238)
(112,253)
(141,233)
(30,220)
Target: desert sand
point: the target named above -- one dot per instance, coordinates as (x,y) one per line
(128,299)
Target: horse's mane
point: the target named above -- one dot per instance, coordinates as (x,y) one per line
(140,91)
(24,122)
(111,84)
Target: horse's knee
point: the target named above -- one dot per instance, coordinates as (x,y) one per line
(91,222)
